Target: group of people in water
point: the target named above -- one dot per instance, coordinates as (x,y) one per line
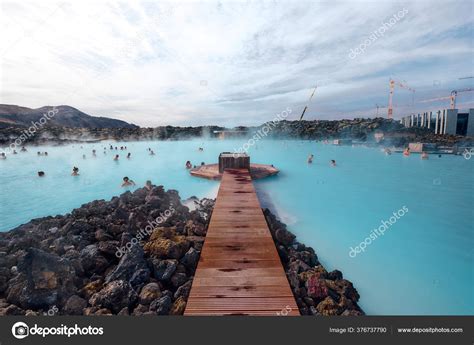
(424,154)
(75,170)
(189,165)
(311,157)
(3,155)
(111,147)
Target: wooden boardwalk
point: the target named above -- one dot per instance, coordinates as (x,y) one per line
(239,271)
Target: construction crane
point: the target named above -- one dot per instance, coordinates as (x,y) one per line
(454,94)
(306,106)
(378,106)
(435,99)
(392,84)
(452,97)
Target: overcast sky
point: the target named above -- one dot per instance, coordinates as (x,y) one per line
(231,63)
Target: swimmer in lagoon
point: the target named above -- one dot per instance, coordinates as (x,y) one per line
(148,185)
(41,173)
(75,171)
(127,182)
(333,162)
(116,158)
(310,158)
(188,165)
(128,155)
(424,155)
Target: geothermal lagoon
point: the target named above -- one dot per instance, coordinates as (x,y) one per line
(418,266)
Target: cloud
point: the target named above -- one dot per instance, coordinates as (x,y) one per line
(230,63)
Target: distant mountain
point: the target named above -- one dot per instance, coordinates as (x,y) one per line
(64,116)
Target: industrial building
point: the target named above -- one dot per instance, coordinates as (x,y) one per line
(446,121)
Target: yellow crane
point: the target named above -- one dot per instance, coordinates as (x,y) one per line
(392,85)
(452,97)
(306,106)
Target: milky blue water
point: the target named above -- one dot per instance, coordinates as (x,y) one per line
(422,265)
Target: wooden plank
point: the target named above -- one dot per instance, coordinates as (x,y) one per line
(236,313)
(239,271)
(238,263)
(232,291)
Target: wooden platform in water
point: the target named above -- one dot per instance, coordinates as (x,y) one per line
(211,171)
(239,271)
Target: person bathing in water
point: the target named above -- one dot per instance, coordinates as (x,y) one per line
(41,173)
(75,171)
(129,155)
(3,156)
(152,153)
(148,185)
(333,162)
(310,158)
(116,157)
(188,165)
(127,182)
(424,155)
(406,152)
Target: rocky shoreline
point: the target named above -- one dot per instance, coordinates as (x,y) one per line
(361,130)
(136,255)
